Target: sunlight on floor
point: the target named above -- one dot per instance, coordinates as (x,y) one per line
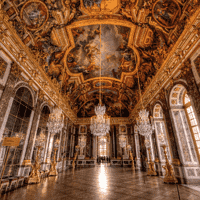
(103,179)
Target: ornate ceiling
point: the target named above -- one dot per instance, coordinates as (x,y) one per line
(74,41)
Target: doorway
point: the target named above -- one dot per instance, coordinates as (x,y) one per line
(103,153)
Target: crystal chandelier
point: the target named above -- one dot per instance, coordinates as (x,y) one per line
(56,121)
(143,125)
(100,124)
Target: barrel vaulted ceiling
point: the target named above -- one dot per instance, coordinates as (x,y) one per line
(74,41)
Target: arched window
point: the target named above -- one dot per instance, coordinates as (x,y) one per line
(192,120)
(17,123)
(160,129)
(42,127)
(180,109)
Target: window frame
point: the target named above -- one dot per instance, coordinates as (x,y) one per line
(185,106)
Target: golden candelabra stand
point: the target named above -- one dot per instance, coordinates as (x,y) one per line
(35,175)
(151,170)
(133,166)
(53,171)
(169,172)
(75,157)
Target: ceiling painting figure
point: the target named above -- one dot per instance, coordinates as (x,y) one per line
(71,42)
(35,14)
(114,54)
(166,12)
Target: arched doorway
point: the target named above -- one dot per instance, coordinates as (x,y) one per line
(103,149)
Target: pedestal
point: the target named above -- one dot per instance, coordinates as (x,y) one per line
(81,157)
(125,157)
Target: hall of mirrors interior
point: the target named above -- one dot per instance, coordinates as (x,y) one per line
(85,82)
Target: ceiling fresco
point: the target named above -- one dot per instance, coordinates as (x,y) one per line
(114,54)
(114,108)
(63,37)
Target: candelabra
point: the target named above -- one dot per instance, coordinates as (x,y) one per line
(151,170)
(133,165)
(53,171)
(131,157)
(77,147)
(35,173)
(169,172)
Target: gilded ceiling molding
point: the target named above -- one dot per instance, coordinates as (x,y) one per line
(182,49)
(115,120)
(97,22)
(12,45)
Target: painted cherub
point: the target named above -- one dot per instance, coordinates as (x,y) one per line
(1,4)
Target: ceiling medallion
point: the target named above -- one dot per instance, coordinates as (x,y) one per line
(166,12)
(35,14)
(102,7)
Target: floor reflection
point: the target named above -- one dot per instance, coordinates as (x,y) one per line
(103,179)
(101,182)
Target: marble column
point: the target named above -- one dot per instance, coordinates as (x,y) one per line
(31,140)
(50,147)
(94,147)
(58,153)
(137,150)
(20,172)
(168,120)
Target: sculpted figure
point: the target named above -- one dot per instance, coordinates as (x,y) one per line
(69,10)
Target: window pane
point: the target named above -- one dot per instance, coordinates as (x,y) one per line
(19,92)
(198,144)
(27,114)
(195,130)
(189,109)
(193,122)
(10,122)
(187,99)
(191,115)
(14,108)
(196,137)
(24,127)
(21,112)
(17,125)
(26,96)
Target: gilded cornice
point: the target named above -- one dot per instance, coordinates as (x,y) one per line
(15,48)
(114,120)
(182,49)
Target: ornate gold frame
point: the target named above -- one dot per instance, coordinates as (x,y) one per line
(101,21)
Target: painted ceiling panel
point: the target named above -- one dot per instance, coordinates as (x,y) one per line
(114,54)
(68,43)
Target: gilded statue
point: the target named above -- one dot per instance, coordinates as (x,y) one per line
(69,10)
(1,4)
(133,12)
